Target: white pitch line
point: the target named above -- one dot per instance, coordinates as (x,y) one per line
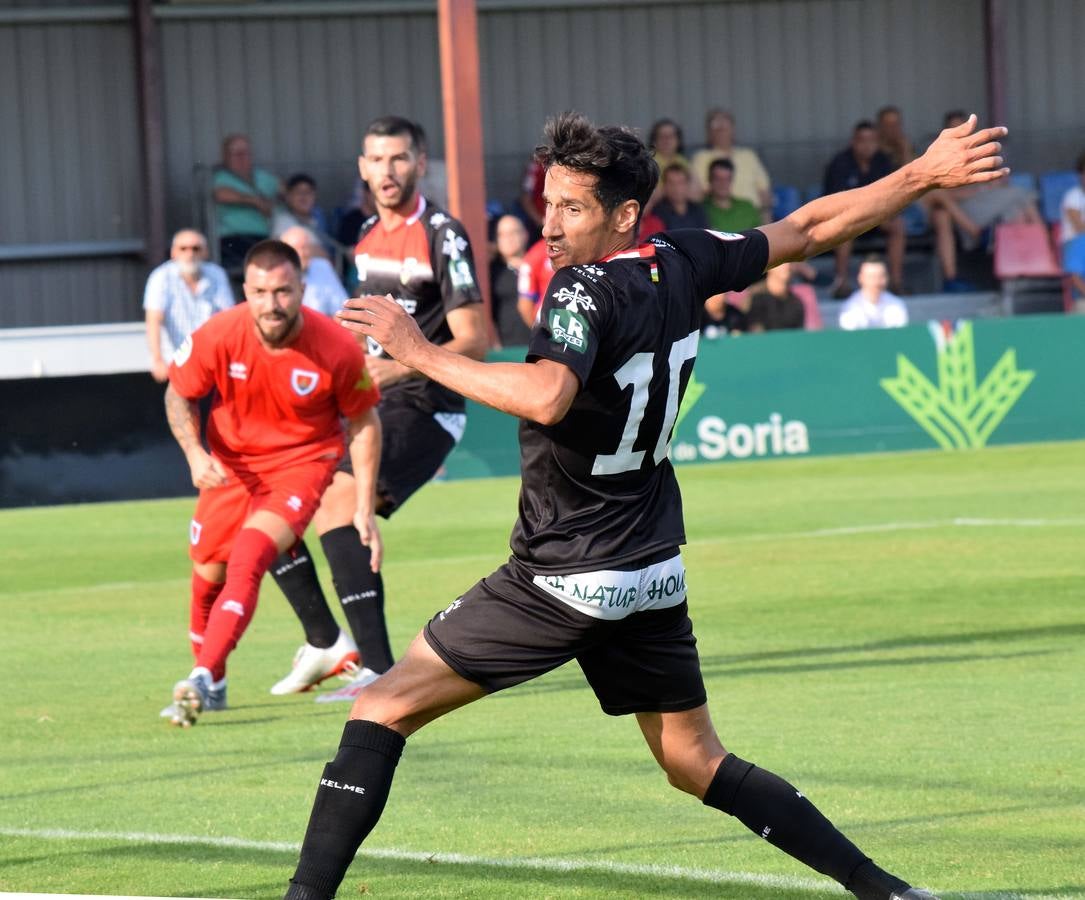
(713,876)
(883,527)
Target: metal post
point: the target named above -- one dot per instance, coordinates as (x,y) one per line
(458,29)
(149,85)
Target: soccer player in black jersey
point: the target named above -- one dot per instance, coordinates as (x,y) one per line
(421,256)
(596,573)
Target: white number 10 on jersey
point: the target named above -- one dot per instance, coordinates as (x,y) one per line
(637,372)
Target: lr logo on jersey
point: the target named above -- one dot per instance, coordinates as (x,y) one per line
(303,381)
(567,328)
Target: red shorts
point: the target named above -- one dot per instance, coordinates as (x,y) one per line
(292,492)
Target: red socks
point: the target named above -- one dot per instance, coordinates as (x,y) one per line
(253,552)
(204,594)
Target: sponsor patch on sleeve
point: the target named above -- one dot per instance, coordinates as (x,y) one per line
(568,328)
(364,382)
(726,235)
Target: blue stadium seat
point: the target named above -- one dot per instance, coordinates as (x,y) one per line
(812,192)
(1024,180)
(1053,186)
(785,200)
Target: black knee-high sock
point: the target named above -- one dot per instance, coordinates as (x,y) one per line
(349,801)
(362,594)
(295,575)
(773,809)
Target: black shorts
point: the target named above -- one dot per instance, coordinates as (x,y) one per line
(506,630)
(413,448)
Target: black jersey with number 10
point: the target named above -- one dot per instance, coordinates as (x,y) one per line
(598,490)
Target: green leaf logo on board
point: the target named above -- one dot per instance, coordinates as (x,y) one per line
(957,413)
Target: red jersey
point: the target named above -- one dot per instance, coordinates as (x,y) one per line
(533,184)
(273,408)
(536,270)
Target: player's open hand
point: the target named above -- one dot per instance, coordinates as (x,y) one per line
(963,155)
(207,472)
(366,523)
(384,320)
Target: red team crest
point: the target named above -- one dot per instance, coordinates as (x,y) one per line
(194,531)
(303,381)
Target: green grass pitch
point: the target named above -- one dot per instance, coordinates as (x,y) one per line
(901,636)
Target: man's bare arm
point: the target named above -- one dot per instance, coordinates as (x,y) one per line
(153,327)
(183,416)
(469,338)
(959,156)
(541,391)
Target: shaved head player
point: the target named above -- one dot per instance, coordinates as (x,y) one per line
(596,574)
(282,377)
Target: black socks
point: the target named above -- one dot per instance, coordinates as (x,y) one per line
(295,575)
(349,801)
(362,594)
(773,809)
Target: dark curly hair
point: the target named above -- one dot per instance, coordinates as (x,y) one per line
(615,155)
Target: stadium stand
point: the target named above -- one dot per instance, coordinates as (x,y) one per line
(805,292)
(1023,254)
(1053,186)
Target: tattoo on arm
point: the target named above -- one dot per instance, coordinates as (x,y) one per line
(184,420)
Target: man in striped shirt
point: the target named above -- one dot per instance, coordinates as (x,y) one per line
(182,294)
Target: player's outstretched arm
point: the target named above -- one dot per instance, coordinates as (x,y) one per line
(958,156)
(364,432)
(184,420)
(541,391)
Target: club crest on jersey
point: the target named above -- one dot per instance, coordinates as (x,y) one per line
(567,328)
(571,299)
(303,381)
(182,353)
(195,529)
(453,245)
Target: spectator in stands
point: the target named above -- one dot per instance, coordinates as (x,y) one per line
(966,213)
(862,163)
(725,314)
(182,294)
(650,224)
(536,270)
(510,243)
(751,181)
(531,197)
(360,208)
(872,306)
(676,210)
(299,209)
(665,142)
(892,141)
(774,306)
(724,211)
(324,292)
(1073,231)
(244,198)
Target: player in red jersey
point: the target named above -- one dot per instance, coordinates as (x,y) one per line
(535,273)
(283,377)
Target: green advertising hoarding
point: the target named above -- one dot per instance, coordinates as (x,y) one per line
(941,385)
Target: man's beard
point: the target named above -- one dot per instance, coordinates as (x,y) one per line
(189,268)
(284,328)
(406,192)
